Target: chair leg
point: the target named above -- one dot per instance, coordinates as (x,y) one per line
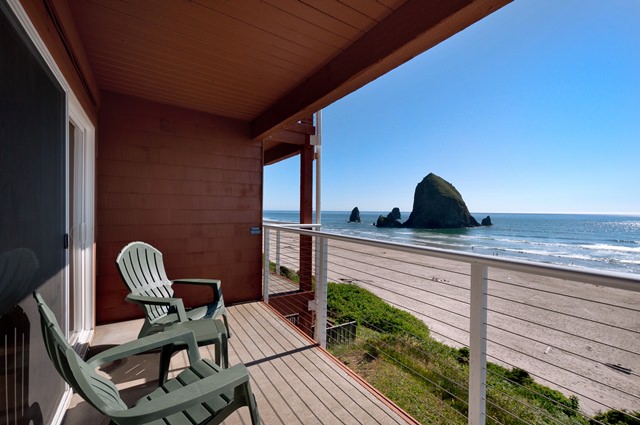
(222,352)
(225,352)
(226,324)
(165,362)
(217,352)
(253,408)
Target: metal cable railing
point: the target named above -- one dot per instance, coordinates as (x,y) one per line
(577,348)
(386,350)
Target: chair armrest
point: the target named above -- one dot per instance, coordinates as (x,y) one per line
(145,299)
(171,336)
(171,302)
(215,284)
(185,397)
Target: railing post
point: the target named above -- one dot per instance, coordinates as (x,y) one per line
(478,345)
(317,261)
(265,272)
(321,293)
(278,252)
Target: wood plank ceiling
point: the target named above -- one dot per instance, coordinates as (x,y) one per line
(269,62)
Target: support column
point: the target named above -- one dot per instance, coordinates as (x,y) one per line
(265,271)
(306,215)
(321,293)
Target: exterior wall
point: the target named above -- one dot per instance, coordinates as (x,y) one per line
(186,182)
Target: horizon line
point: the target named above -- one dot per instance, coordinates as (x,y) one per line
(630,214)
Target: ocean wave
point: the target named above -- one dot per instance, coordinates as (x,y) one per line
(576,257)
(627,241)
(532,252)
(554,244)
(615,248)
(567,258)
(443,244)
(635,261)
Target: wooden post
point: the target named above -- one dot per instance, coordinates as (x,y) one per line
(306,215)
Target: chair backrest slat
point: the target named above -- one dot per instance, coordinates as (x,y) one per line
(96,389)
(142,269)
(155,265)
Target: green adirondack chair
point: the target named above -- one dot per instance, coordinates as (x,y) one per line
(203,393)
(142,270)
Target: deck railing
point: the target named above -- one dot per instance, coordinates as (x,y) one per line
(527,325)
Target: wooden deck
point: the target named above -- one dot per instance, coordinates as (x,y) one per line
(279,285)
(294,381)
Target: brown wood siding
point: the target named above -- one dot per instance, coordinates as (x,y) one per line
(188,183)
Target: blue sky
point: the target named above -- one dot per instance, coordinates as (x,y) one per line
(534,109)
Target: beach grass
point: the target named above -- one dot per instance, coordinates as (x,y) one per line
(395,352)
(429,380)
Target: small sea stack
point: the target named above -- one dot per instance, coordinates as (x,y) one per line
(393,219)
(355,216)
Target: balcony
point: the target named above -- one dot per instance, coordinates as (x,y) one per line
(567,337)
(295,381)
(563,340)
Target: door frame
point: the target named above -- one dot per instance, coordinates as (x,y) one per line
(85,258)
(84,244)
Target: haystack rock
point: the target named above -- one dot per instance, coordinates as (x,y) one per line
(486,221)
(438,205)
(391,220)
(355,216)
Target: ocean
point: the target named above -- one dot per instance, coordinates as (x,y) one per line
(601,242)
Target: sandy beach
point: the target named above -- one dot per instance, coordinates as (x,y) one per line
(577,338)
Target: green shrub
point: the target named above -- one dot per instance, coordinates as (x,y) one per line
(519,376)
(346,303)
(289,274)
(616,417)
(394,352)
(462,355)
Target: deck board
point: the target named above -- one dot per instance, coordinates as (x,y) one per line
(294,381)
(279,285)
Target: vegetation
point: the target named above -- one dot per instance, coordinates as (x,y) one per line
(614,417)
(347,303)
(444,187)
(394,352)
(285,271)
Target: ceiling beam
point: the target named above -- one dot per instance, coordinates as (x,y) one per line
(405,25)
(287,136)
(280,152)
(301,127)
